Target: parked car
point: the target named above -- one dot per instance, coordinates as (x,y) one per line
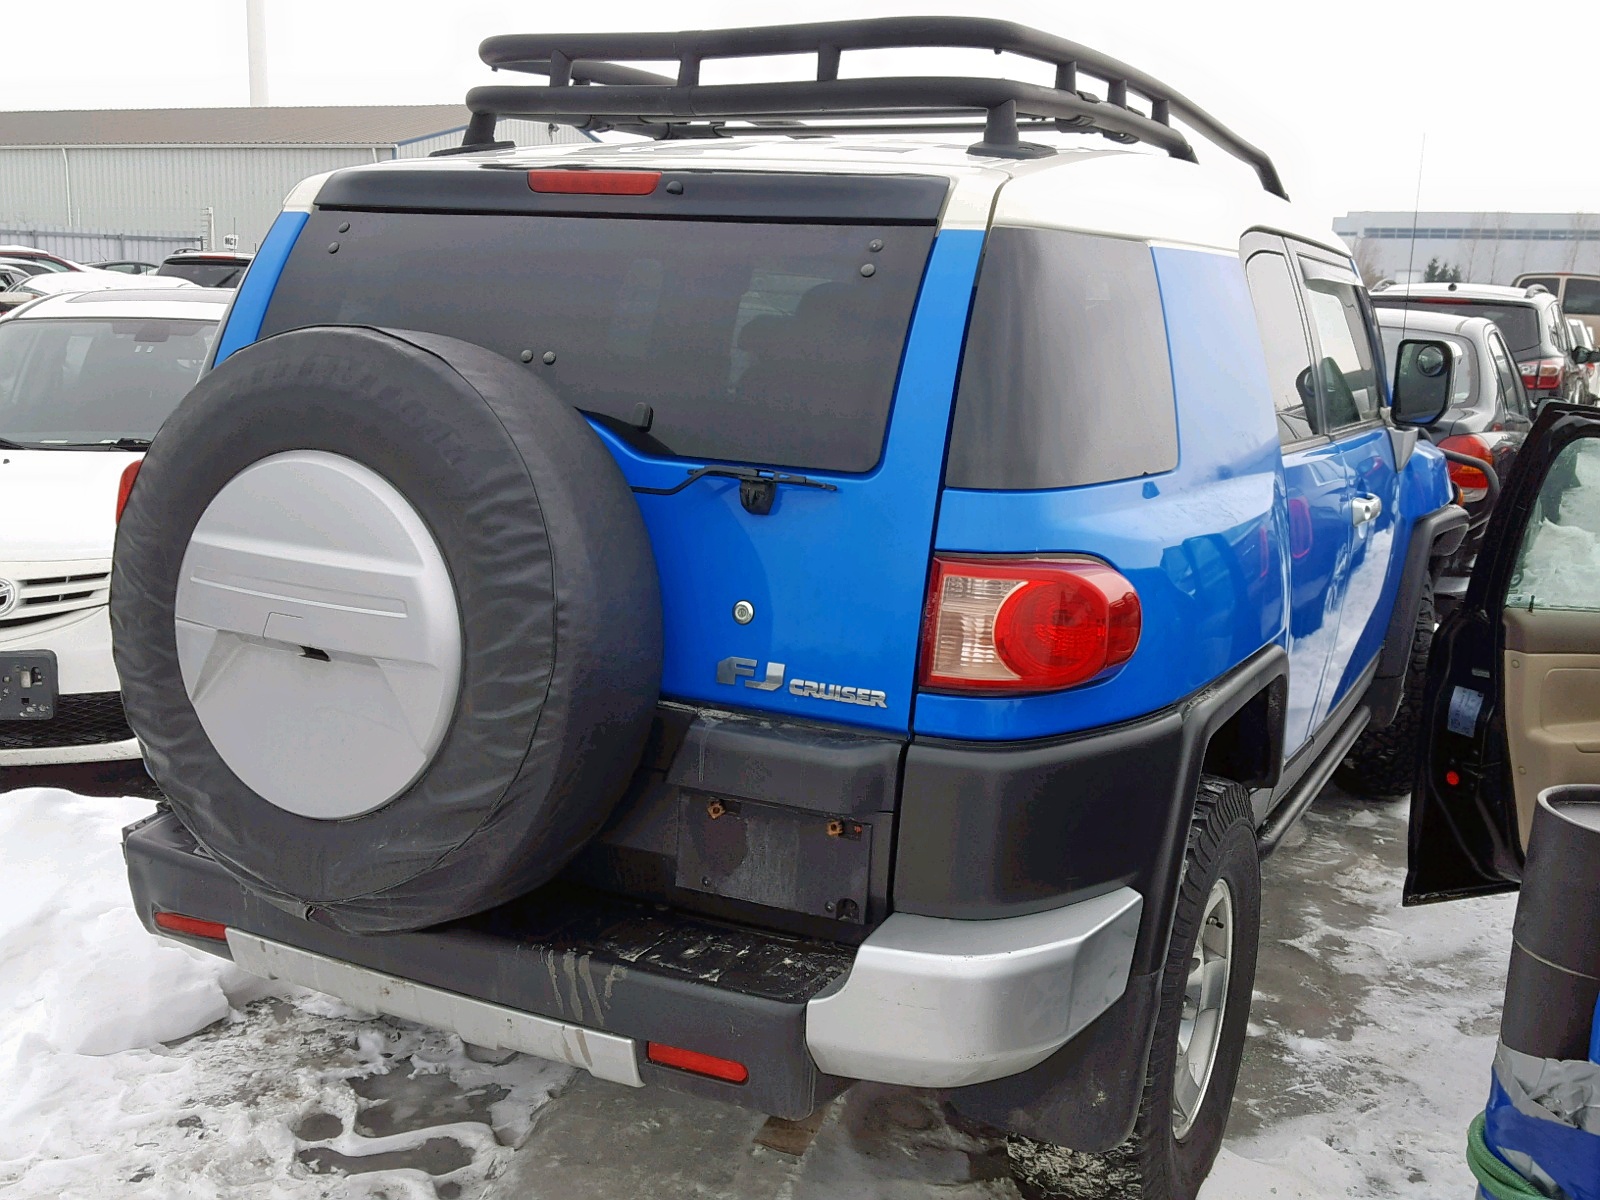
(24,266)
(1581,336)
(50,262)
(85,381)
(10,275)
(1579,294)
(208,268)
(1488,417)
(126,266)
(1530,318)
(737,642)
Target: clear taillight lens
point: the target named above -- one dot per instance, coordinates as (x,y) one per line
(1010,625)
(1542,374)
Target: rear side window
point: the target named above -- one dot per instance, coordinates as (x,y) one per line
(753,342)
(1066,379)
(1514,399)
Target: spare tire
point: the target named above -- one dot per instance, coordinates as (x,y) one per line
(388,625)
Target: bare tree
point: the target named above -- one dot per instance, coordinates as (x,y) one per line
(1368,256)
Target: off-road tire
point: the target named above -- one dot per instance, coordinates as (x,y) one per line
(1383,762)
(1153,1164)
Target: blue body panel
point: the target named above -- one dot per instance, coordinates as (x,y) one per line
(1204,544)
(836,578)
(250,302)
(1377,559)
(1317,489)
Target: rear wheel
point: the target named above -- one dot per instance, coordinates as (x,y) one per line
(1383,762)
(1200,1027)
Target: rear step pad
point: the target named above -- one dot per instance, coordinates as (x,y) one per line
(583,960)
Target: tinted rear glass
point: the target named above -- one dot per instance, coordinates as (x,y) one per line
(88,381)
(751,342)
(1066,378)
(206,274)
(1518,322)
(1582,298)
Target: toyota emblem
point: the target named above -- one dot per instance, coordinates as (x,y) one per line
(8,596)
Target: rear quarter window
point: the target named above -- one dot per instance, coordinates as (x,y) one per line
(1066,378)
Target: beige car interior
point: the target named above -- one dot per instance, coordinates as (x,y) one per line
(1552,637)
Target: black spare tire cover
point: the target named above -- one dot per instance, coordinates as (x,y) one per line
(541,717)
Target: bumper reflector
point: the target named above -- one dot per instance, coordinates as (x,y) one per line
(191,926)
(696,1063)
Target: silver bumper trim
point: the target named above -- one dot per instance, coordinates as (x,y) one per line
(603,1055)
(50,756)
(932,1002)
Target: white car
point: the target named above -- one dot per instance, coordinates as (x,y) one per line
(86,379)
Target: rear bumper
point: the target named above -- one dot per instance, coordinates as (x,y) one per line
(590,980)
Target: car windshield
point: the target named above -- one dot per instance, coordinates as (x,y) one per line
(95,381)
(1518,322)
(1466,379)
(205,273)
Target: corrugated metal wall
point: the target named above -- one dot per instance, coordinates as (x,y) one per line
(166,190)
(523,133)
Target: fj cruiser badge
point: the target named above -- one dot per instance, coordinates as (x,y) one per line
(731,670)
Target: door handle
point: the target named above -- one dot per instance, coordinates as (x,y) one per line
(1364,509)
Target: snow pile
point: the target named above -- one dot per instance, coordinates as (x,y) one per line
(99,1097)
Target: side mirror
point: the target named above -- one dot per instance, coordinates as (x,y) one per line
(1424,377)
(1582,356)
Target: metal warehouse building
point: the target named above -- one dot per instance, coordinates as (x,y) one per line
(1492,247)
(139,183)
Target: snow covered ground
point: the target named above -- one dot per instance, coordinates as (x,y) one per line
(131,1067)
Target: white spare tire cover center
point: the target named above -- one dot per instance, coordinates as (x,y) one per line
(318,634)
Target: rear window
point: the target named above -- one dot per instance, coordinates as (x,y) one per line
(1066,378)
(752,342)
(1518,322)
(206,274)
(1582,298)
(87,381)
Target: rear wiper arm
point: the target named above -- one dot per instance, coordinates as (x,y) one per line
(757,488)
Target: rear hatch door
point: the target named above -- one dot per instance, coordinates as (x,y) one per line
(807,325)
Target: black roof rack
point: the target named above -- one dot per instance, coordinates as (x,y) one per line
(591,89)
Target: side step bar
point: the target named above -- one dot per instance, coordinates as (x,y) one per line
(1293,806)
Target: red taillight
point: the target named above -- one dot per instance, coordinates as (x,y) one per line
(569,182)
(191,926)
(125,486)
(1474,484)
(696,1063)
(1542,374)
(1025,625)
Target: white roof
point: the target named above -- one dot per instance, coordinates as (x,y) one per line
(1125,192)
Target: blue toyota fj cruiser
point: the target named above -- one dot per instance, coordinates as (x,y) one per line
(802,598)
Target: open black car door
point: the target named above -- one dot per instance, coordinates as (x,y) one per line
(1512,703)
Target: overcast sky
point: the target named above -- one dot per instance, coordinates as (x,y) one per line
(1510,108)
